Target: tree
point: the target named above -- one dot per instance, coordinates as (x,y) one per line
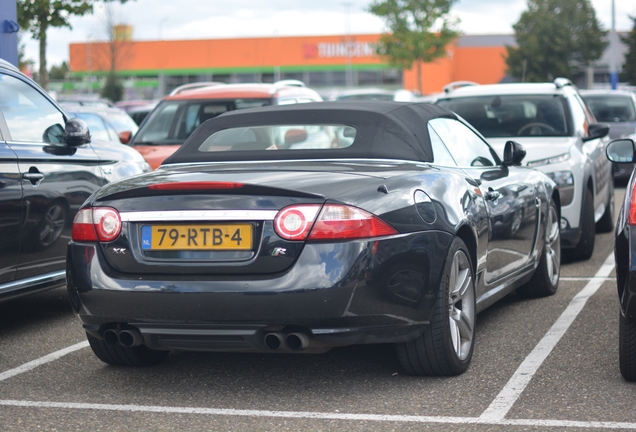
(111,54)
(629,67)
(555,38)
(38,15)
(420,30)
(59,72)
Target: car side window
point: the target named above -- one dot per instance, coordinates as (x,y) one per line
(96,126)
(27,112)
(465,146)
(580,117)
(441,155)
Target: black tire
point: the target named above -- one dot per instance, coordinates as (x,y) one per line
(124,356)
(627,347)
(606,223)
(585,248)
(545,280)
(446,346)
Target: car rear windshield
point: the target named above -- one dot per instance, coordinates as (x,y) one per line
(172,122)
(512,115)
(280,137)
(611,108)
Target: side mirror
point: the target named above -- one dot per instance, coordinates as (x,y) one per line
(125,137)
(76,133)
(620,151)
(596,130)
(513,153)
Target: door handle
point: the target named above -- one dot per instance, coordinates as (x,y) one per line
(33,176)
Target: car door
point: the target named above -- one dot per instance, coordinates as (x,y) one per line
(10,214)
(511,201)
(595,151)
(55,179)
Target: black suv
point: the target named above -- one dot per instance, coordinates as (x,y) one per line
(48,167)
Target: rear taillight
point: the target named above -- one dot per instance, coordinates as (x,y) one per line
(96,224)
(335,222)
(294,222)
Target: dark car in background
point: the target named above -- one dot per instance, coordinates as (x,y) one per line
(624,151)
(617,108)
(181,112)
(48,167)
(302,228)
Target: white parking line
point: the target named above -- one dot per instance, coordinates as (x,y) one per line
(320,415)
(500,406)
(42,360)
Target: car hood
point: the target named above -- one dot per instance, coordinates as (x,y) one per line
(537,148)
(155,154)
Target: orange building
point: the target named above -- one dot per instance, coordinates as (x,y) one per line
(319,61)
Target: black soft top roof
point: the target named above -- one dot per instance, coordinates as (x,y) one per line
(384,130)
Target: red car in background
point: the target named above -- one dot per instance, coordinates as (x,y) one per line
(180,113)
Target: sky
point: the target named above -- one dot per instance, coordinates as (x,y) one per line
(212,19)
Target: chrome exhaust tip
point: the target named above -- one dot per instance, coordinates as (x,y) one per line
(130,338)
(111,337)
(274,341)
(297,341)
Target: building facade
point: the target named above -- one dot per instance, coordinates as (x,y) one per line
(151,69)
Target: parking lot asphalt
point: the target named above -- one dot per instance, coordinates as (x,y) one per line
(549,363)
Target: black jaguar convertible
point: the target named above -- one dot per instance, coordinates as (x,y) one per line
(302,228)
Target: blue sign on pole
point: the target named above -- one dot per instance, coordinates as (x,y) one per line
(9,31)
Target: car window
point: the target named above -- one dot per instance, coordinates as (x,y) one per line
(280,137)
(512,115)
(441,155)
(611,108)
(27,112)
(122,122)
(95,125)
(465,146)
(173,121)
(580,118)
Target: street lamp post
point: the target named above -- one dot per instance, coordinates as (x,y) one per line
(613,44)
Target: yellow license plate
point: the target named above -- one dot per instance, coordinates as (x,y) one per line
(197,237)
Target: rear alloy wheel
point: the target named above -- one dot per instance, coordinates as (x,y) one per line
(124,356)
(545,280)
(446,346)
(627,347)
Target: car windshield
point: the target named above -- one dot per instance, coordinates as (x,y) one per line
(280,137)
(512,115)
(122,122)
(611,108)
(172,122)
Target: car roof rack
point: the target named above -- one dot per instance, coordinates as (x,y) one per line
(196,85)
(561,82)
(290,82)
(7,65)
(457,84)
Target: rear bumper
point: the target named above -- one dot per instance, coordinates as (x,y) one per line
(337,294)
